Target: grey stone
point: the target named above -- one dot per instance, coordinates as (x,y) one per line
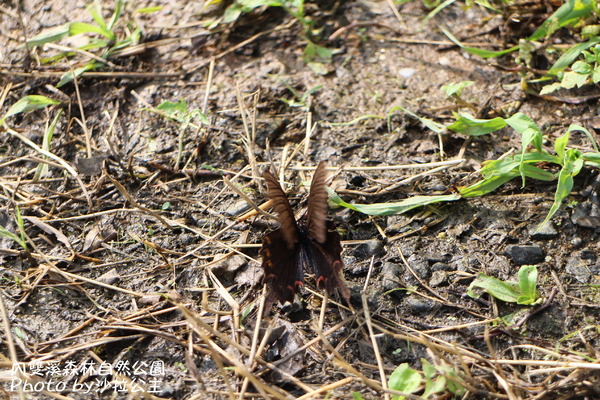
(420,267)
(369,249)
(237,208)
(577,242)
(548,231)
(438,278)
(578,269)
(525,254)
(440,266)
(390,274)
(417,305)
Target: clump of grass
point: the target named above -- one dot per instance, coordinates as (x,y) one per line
(107,37)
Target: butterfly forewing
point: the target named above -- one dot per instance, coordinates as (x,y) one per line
(285,214)
(317,205)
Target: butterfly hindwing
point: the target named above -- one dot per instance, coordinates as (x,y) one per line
(328,264)
(283,274)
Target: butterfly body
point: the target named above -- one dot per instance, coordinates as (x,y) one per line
(310,245)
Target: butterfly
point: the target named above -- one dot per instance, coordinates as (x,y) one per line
(311,244)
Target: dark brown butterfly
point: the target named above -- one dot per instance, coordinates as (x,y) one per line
(311,244)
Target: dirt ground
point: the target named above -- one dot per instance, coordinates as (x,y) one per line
(142,276)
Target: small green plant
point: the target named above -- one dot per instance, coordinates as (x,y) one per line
(180,113)
(527,163)
(315,56)
(103,35)
(395,208)
(404,379)
(581,73)
(438,379)
(522,292)
(454,90)
(299,100)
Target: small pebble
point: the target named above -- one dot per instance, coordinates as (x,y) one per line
(578,269)
(237,208)
(369,249)
(548,231)
(438,278)
(525,254)
(417,305)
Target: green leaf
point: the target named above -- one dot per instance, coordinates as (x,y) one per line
(560,144)
(489,53)
(569,13)
(591,159)
(148,10)
(42,168)
(571,79)
(434,126)
(574,127)
(471,126)
(49,36)
(95,11)
(317,54)
(550,88)
(173,109)
(570,56)
(596,75)
(29,103)
(432,386)
(452,89)
(404,379)
(68,76)
(505,291)
(77,28)
(116,14)
(395,208)
(485,186)
(581,67)
(8,234)
(530,132)
(528,284)
(573,163)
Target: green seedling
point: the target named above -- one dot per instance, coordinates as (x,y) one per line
(454,90)
(42,168)
(315,56)
(21,239)
(404,379)
(299,100)
(440,379)
(582,72)
(522,292)
(27,104)
(293,7)
(525,164)
(104,36)
(180,113)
